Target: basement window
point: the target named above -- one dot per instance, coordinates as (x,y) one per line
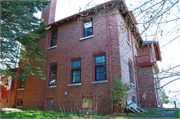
(87,103)
(50,103)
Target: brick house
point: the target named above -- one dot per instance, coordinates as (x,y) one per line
(85,52)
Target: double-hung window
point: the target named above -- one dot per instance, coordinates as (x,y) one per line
(88,28)
(130,72)
(53,38)
(100,68)
(76,71)
(52,75)
(23,82)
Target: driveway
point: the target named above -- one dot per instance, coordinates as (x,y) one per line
(162,115)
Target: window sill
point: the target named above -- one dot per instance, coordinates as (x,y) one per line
(21,89)
(84,38)
(96,82)
(52,47)
(75,84)
(129,43)
(51,86)
(18,106)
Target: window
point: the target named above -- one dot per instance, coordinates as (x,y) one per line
(53,38)
(52,75)
(100,68)
(87,103)
(88,28)
(133,99)
(128,35)
(130,71)
(76,71)
(50,103)
(20,102)
(23,82)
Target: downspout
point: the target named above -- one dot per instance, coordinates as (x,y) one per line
(15,94)
(135,77)
(109,45)
(44,66)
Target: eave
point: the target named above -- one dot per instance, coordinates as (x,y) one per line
(123,10)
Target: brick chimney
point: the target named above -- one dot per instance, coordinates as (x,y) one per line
(48,14)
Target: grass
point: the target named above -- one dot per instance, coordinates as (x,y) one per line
(177,113)
(51,114)
(150,112)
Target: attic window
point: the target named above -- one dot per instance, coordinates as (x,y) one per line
(53,41)
(88,28)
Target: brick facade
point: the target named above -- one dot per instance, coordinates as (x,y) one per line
(108,39)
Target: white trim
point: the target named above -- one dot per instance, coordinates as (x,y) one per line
(84,38)
(21,89)
(95,82)
(52,47)
(75,84)
(129,43)
(132,84)
(51,86)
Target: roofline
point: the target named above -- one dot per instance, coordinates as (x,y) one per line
(129,13)
(75,15)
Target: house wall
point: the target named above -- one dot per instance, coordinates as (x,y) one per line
(14,94)
(127,51)
(69,46)
(146,85)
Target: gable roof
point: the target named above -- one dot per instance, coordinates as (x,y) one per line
(128,16)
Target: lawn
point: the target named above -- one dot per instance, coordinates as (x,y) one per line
(51,114)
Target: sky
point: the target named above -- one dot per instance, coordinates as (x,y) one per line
(170,53)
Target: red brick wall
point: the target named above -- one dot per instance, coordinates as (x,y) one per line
(146,86)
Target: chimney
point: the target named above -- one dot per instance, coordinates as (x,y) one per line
(48,14)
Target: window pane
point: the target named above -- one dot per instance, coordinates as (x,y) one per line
(20,102)
(87,103)
(100,76)
(50,104)
(76,72)
(130,72)
(100,68)
(100,59)
(76,79)
(23,82)
(76,63)
(88,32)
(52,78)
(53,68)
(76,75)
(88,24)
